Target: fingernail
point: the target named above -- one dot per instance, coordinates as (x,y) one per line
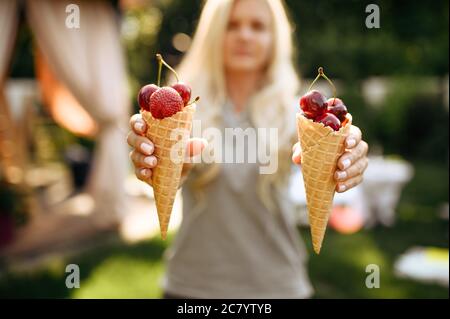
(351,142)
(147,148)
(139,126)
(346,163)
(341,188)
(150,161)
(144,172)
(341,175)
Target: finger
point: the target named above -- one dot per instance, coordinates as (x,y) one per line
(297,154)
(353,138)
(195,146)
(141,161)
(140,143)
(350,157)
(356,169)
(144,174)
(348,184)
(137,124)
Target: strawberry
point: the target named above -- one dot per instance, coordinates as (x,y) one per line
(165,102)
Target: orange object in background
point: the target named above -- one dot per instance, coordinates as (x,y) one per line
(346,220)
(61,104)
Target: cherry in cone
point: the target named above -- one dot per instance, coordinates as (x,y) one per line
(338,108)
(330,120)
(144,96)
(313,104)
(184,90)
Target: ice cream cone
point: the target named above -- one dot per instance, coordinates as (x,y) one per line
(321,148)
(169,135)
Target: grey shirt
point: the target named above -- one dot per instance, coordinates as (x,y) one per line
(235,247)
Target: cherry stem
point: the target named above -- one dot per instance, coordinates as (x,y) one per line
(161,61)
(158,57)
(195,101)
(322,74)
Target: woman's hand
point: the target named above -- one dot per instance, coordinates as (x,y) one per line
(143,148)
(351,165)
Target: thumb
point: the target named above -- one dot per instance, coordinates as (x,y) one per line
(195,146)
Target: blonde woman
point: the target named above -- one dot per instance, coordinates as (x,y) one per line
(237,238)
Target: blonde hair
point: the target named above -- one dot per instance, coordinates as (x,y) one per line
(272,106)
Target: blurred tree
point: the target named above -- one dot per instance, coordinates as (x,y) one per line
(412,38)
(413,122)
(22,61)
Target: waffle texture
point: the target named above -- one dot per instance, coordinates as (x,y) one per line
(169,135)
(321,148)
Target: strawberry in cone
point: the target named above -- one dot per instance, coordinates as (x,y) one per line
(168,115)
(322,126)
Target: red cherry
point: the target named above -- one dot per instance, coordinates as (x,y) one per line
(313,104)
(165,102)
(144,96)
(329,119)
(334,101)
(184,90)
(337,107)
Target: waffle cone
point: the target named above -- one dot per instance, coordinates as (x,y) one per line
(169,135)
(321,148)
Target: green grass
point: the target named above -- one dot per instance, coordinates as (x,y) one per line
(119,270)
(340,270)
(112,270)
